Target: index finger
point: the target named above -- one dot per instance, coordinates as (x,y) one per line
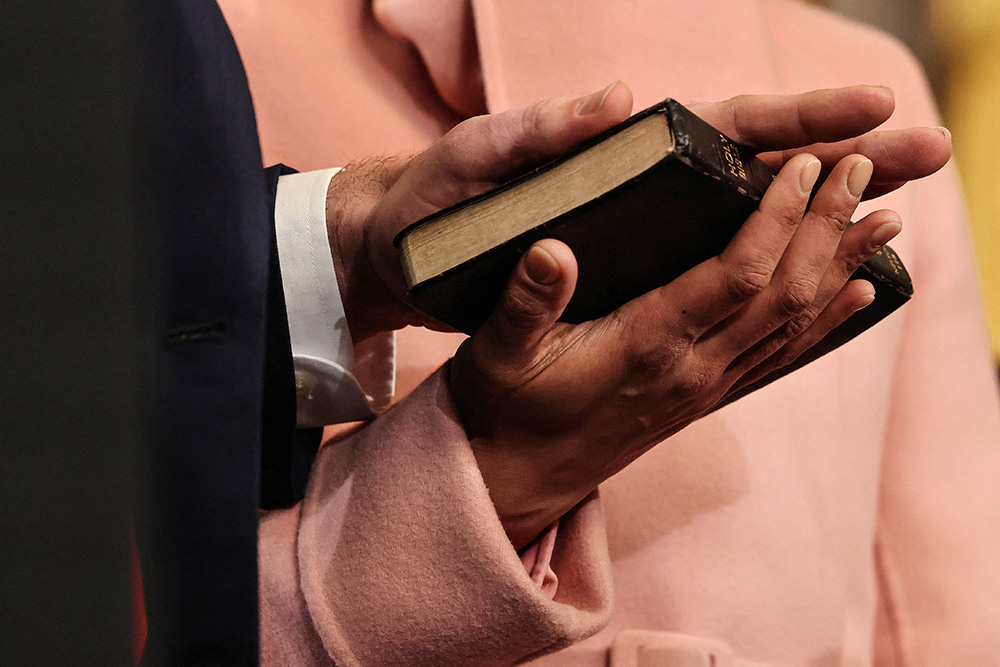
(778,122)
(898,155)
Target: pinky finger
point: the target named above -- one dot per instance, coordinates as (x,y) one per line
(854,296)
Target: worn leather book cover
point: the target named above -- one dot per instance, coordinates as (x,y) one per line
(638,205)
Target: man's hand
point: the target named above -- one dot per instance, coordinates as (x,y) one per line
(371,202)
(553,409)
(831,124)
(384,197)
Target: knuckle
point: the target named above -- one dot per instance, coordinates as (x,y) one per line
(532,118)
(856,257)
(795,297)
(788,211)
(657,360)
(838,220)
(747,282)
(734,107)
(514,133)
(653,359)
(695,384)
(797,325)
(522,310)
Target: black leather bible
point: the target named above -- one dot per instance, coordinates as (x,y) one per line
(639,205)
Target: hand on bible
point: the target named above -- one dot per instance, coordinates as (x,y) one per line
(554,409)
(371,202)
(832,124)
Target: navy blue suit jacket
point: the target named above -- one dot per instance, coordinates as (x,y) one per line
(226,391)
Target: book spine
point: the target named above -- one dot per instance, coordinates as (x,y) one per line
(712,152)
(887,268)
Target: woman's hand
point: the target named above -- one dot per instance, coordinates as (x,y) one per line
(554,409)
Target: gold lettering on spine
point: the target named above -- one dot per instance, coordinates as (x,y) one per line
(894,261)
(731,155)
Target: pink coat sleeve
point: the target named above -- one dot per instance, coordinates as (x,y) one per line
(396,557)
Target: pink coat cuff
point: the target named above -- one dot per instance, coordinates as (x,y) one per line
(401,559)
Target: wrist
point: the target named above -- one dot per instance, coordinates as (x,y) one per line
(532,477)
(525,496)
(369,305)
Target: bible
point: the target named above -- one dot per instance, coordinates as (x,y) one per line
(639,205)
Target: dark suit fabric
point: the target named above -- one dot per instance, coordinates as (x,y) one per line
(224,370)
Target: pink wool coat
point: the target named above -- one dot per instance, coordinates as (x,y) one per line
(846,515)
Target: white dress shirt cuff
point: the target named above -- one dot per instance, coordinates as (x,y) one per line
(330,388)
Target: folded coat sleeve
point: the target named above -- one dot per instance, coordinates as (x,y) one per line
(396,557)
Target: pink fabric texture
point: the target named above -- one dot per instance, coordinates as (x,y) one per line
(846,515)
(396,549)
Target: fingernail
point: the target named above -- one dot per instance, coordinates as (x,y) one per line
(594,103)
(858,179)
(945,131)
(540,266)
(810,172)
(865,299)
(885,233)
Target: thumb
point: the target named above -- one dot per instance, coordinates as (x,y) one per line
(535,297)
(483,151)
(480,153)
(547,129)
